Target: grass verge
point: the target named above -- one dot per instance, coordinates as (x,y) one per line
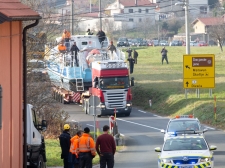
(53,152)
(163,85)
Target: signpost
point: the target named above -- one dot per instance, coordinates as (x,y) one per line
(198,71)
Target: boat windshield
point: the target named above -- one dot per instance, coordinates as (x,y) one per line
(114,82)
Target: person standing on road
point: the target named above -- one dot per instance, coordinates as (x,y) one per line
(106,148)
(129,51)
(74,50)
(74,159)
(135,54)
(64,140)
(85,149)
(164,55)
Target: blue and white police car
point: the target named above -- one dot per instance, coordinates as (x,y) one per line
(182,122)
(186,151)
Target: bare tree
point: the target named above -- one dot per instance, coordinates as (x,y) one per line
(217,32)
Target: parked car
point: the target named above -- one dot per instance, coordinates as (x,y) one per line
(144,43)
(122,42)
(176,43)
(163,43)
(202,43)
(155,42)
(136,42)
(193,43)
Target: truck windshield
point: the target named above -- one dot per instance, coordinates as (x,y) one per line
(114,82)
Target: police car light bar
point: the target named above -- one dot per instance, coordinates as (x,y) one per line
(185,116)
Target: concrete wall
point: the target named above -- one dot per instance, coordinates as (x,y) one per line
(11,140)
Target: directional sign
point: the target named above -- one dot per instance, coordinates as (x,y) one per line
(199,83)
(199,71)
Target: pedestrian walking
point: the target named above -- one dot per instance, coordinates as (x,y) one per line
(74,50)
(131,63)
(101,36)
(64,140)
(74,159)
(135,54)
(106,148)
(164,55)
(66,37)
(129,51)
(85,149)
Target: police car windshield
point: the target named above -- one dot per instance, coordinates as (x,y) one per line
(114,83)
(180,125)
(174,144)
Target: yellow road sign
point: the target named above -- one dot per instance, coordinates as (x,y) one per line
(199,68)
(199,83)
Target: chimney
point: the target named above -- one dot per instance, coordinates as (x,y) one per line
(135,2)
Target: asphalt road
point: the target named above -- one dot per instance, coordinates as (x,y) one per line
(142,135)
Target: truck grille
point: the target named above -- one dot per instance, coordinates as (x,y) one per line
(115,98)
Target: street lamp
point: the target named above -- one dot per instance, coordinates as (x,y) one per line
(185,4)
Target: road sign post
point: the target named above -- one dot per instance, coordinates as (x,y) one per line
(198,72)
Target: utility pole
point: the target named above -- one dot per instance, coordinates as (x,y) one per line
(187,28)
(72,17)
(62,19)
(100,15)
(90,6)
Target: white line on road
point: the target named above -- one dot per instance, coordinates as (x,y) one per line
(90,125)
(156,116)
(141,111)
(138,124)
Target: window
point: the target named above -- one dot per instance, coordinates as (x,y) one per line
(146,10)
(203,9)
(131,20)
(130,10)
(139,10)
(140,19)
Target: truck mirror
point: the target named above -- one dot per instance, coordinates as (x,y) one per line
(44,125)
(132,81)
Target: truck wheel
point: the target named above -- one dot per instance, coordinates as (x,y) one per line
(41,163)
(98,116)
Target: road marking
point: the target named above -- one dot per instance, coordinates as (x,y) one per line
(156,116)
(141,111)
(90,125)
(137,124)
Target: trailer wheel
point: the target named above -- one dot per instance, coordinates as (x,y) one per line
(41,163)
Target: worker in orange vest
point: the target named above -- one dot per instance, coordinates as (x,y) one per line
(66,37)
(62,48)
(86,149)
(74,160)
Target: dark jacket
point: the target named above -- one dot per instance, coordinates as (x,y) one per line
(75,49)
(112,48)
(64,140)
(101,36)
(164,52)
(129,51)
(135,54)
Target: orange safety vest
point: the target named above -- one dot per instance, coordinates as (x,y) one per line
(72,144)
(62,48)
(66,35)
(86,144)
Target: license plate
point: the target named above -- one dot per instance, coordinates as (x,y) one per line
(186,167)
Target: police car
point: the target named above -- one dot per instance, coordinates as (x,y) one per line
(182,122)
(186,151)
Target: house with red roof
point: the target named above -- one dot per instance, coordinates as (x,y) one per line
(12,40)
(131,13)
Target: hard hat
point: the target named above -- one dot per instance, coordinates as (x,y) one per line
(66,126)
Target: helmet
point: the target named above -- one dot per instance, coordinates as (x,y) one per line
(66,126)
